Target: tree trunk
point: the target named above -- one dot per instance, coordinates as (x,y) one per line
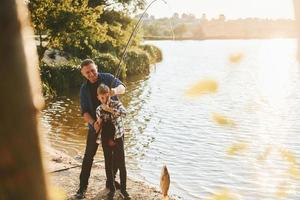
(297,17)
(21,170)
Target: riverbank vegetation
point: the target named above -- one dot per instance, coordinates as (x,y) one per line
(69,31)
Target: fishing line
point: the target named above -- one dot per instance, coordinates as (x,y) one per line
(72,167)
(130,40)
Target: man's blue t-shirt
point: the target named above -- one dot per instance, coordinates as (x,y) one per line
(87,93)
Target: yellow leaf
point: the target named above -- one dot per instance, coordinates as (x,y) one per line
(57,193)
(282,190)
(237,148)
(265,154)
(236,58)
(294,171)
(222,120)
(288,156)
(224,194)
(202,87)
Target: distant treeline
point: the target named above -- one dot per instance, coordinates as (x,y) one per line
(187,26)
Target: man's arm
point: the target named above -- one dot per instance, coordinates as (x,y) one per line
(120,89)
(117,86)
(89,119)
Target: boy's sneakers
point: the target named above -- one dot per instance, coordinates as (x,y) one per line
(125,195)
(80,194)
(110,195)
(117,185)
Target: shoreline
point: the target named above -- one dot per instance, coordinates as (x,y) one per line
(66,182)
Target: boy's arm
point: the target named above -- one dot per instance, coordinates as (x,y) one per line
(119,109)
(99,117)
(99,122)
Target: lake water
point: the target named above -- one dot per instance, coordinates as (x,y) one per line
(260,94)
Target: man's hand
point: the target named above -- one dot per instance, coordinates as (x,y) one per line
(112,92)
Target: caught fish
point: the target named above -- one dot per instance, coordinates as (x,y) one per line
(202,87)
(165,182)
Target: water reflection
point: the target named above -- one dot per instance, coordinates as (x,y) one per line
(260,96)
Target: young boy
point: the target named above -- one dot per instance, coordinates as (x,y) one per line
(109,115)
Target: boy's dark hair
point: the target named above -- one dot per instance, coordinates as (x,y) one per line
(86,62)
(102,89)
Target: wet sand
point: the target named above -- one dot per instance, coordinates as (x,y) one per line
(65,183)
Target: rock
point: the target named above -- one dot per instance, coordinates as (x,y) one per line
(57,159)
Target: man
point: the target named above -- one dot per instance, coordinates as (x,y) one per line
(88,104)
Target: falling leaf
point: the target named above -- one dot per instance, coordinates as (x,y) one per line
(282,190)
(237,148)
(288,156)
(56,193)
(202,87)
(224,194)
(222,120)
(265,154)
(236,58)
(294,171)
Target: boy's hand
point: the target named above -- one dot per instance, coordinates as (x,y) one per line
(96,126)
(106,108)
(111,143)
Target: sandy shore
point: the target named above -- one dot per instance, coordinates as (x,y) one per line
(66,182)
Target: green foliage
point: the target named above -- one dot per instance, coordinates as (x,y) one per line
(120,27)
(60,78)
(81,29)
(48,90)
(74,28)
(135,4)
(155,54)
(70,26)
(137,62)
(109,63)
(159,27)
(39,11)
(88,29)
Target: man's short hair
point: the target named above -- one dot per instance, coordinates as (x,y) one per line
(86,62)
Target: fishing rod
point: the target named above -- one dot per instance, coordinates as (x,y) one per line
(130,41)
(72,167)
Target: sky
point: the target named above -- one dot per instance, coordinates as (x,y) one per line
(232,9)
